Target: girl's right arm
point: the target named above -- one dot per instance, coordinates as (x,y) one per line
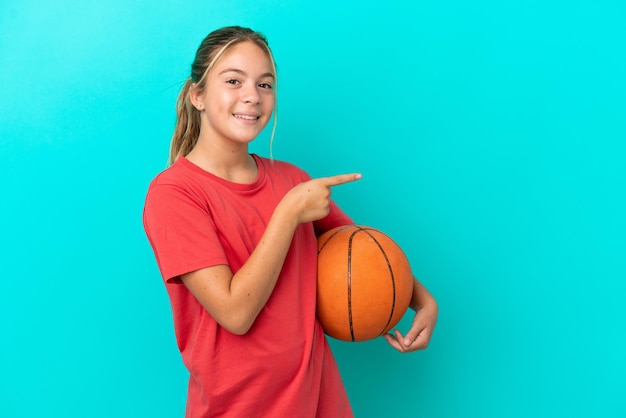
(235,300)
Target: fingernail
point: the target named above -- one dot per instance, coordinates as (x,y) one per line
(407,341)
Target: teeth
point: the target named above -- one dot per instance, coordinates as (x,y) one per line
(246,117)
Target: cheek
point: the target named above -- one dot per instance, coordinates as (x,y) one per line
(268,103)
(219,100)
(224,100)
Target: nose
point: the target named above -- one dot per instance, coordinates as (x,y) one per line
(251,94)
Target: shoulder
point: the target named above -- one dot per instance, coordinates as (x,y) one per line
(178,180)
(172,175)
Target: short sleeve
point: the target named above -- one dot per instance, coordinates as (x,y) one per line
(181,231)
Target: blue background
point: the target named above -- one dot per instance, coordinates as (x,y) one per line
(491,136)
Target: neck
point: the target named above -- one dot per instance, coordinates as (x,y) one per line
(232,163)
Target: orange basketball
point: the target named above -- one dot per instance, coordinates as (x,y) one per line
(364,283)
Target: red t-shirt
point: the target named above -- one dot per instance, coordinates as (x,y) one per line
(283,366)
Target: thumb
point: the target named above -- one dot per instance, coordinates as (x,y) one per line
(412,335)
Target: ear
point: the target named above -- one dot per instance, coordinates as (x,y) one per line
(195,96)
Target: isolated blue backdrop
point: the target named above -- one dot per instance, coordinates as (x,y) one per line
(491,136)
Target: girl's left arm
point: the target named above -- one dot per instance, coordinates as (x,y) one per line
(426,311)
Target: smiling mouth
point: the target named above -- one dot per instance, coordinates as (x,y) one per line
(246,117)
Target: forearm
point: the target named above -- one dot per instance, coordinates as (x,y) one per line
(421,296)
(252,285)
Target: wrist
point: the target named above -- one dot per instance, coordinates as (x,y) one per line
(284,217)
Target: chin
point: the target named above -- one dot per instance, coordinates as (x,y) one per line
(245,139)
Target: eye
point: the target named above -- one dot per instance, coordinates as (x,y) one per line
(232,81)
(266,86)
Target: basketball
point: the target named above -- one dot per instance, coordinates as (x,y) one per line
(364,283)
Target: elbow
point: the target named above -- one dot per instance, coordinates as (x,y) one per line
(239,330)
(233,316)
(238,324)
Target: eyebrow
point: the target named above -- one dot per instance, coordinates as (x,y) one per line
(238,71)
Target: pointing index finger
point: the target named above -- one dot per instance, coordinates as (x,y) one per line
(340,179)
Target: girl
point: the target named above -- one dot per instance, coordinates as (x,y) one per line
(234,235)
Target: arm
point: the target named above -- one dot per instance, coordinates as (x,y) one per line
(235,300)
(426,311)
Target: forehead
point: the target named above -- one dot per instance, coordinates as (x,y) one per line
(245,56)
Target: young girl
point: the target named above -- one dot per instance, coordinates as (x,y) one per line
(234,235)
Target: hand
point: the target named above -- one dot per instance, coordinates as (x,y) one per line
(310,200)
(418,337)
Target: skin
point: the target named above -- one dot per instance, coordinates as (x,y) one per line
(426,311)
(235,105)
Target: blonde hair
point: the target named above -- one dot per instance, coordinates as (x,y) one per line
(187,127)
